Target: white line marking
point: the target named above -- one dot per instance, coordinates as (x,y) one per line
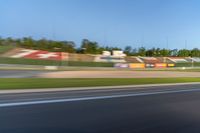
(92,98)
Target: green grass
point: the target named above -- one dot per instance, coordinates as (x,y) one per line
(4,60)
(4,49)
(195,64)
(34,83)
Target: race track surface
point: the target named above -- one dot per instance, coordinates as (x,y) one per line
(173,109)
(20,73)
(94,74)
(118,74)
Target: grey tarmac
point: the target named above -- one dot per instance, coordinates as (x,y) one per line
(158,109)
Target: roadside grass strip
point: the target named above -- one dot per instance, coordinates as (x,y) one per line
(38,83)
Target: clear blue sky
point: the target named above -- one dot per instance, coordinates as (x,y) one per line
(148,23)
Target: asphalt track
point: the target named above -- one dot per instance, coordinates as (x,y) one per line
(118,74)
(94,74)
(165,109)
(20,73)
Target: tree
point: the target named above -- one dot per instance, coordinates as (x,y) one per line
(134,52)
(1,41)
(100,50)
(28,42)
(165,52)
(157,51)
(92,47)
(68,46)
(195,52)
(174,52)
(128,50)
(141,51)
(151,52)
(89,47)
(184,53)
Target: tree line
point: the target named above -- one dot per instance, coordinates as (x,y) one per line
(92,47)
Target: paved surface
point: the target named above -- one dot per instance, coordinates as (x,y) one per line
(20,73)
(94,74)
(172,109)
(118,74)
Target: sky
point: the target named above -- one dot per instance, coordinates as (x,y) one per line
(149,23)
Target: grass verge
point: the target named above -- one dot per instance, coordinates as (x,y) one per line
(34,83)
(4,49)
(23,61)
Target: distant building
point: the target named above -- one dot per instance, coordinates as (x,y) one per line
(118,53)
(116,56)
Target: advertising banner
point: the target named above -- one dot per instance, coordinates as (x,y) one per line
(160,65)
(150,65)
(137,65)
(171,65)
(121,65)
